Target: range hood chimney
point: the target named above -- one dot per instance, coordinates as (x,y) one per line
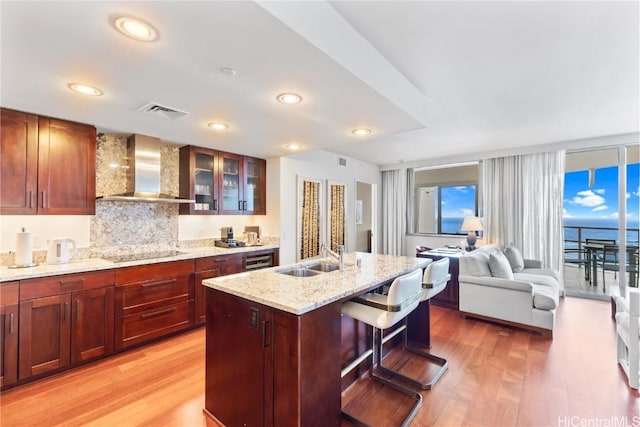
(143,173)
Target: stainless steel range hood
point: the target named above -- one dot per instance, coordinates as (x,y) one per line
(143,173)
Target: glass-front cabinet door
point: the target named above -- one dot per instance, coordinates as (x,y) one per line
(198,180)
(255,172)
(231,183)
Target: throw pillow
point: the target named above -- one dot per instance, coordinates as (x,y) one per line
(514,256)
(499,266)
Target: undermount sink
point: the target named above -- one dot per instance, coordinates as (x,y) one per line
(324,267)
(300,272)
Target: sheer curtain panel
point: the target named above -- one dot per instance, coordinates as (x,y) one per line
(394,207)
(522,204)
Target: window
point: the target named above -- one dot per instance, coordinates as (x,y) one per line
(442,198)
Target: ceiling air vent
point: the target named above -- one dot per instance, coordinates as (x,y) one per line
(163,111)
(342,161)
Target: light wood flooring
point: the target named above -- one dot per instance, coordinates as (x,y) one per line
(498,376)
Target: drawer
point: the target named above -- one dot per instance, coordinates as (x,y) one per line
(9,293)
(68,283)
(154,323)
(149,294)
(164,270)
(224,263)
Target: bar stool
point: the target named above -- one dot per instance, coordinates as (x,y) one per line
(381,312)
(434,280)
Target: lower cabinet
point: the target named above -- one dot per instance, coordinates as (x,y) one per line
(9,333)
(210,267)
(64,319)
(271,368)
(152,301)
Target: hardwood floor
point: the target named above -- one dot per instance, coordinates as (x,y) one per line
(498,376)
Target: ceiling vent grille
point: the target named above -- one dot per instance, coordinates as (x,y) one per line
(163,111)
(342,161)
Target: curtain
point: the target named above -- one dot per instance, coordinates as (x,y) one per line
(522,205)
(310,246)
(336,215)
(394,207)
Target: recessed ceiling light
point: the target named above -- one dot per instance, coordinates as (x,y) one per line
(293,146)
(136,29)
(229,71)
(218,126)
(361,131)
(84,89)
(289,98)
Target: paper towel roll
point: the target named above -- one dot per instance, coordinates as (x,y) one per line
(24,251)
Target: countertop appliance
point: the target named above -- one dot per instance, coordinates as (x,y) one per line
(227,240)
(59,252)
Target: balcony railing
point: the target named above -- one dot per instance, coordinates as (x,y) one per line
(575,238)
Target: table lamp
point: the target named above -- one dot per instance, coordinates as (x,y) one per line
(471,224)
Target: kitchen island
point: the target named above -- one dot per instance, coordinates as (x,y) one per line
(273,353)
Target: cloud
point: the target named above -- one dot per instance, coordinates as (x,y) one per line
(600,208)
(637,193)
(614,215)
(599,191)
(627,196)
(588,198)
(566,214)
(462,188)
(461,213)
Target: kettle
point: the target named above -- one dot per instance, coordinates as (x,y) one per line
(58,252)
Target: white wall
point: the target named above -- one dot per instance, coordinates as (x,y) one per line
(44,227)
(319,165)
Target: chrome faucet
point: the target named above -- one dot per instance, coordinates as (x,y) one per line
(339,256)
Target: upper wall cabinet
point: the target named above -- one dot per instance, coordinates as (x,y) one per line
(48,166)
(222,183)
(198,180)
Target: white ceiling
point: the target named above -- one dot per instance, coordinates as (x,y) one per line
(430,78)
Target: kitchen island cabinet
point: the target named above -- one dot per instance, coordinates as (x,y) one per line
(47,167)
(273,352)
(53,332)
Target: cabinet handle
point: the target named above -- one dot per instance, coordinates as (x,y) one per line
(72,282)
(244,205)
(158,283)
(215,204)
(266,342)
(239,205)
(11,323)
(158,313)
(30,198)
(44,199)
(64,312)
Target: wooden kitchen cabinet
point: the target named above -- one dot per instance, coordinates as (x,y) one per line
(242,182)
(271,368)
(450,296)
(9,333)
(152,301)
(210,267)
(48,165)
(19,162)
(54,332)
(198,180)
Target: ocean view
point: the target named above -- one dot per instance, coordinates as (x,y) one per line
(600,228)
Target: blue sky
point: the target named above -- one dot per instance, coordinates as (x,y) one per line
(458,202)
(601,200)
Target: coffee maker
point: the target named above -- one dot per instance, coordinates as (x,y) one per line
(227,240)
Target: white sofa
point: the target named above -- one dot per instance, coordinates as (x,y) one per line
(628,335)
(526,296)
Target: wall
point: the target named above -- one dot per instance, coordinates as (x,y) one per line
(320,165)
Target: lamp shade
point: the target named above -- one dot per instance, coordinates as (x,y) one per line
(471,223)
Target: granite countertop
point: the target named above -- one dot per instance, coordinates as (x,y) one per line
(299,295)
(95,264)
